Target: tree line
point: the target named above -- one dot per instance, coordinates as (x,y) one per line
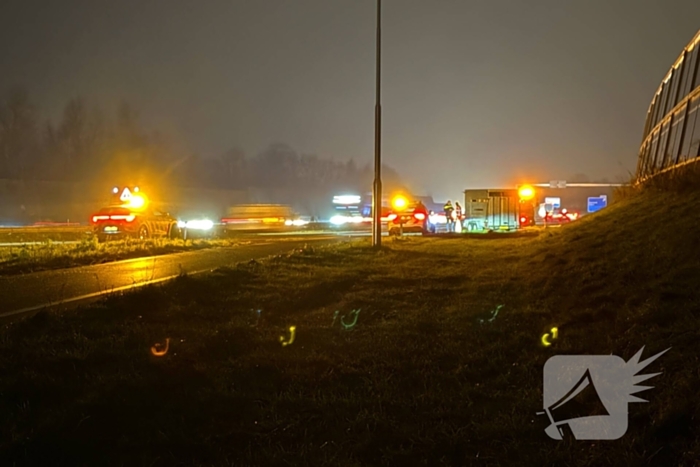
(88,144)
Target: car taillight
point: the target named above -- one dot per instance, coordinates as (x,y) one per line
(123,217)
(96,219)
(420,216)
(392,217)
(523,220)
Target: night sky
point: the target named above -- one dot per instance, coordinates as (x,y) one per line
(477,93)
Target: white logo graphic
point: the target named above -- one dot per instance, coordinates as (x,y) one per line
(586,396)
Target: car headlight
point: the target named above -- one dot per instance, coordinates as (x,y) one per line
(338,220)
(204,224)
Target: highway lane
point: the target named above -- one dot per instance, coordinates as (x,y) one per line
(30,292)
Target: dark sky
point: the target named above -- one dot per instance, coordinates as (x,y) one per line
(476,93)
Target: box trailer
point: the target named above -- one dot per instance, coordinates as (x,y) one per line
(496,209)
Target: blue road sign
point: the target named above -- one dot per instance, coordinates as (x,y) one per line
(596,203)
(555,202)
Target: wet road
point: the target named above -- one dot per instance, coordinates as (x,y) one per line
(31,292)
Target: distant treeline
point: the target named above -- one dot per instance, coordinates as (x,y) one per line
(89,144)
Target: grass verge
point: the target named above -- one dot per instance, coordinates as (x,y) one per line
(43,234)
(31,258)
(422,377)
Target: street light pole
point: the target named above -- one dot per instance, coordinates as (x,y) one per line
(377,195)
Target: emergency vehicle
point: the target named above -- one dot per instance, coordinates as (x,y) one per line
(500,209)
(495,209)
(355,212)
(407,217)
(526,209)
(132,215)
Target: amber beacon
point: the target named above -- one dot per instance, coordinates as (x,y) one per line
(672,129)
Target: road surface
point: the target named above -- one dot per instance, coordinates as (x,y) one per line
(31,292)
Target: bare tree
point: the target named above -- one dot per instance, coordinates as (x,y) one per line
(18,127)
(129,135)
(275,166)
(73,138)
(235,168)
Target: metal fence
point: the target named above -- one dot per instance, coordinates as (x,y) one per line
(672,129)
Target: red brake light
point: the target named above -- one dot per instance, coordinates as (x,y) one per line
(420,216)
(392,217)
(123,217)
(95,219)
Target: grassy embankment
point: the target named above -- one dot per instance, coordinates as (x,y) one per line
(418,380)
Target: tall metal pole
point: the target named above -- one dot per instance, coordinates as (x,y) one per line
(377,195)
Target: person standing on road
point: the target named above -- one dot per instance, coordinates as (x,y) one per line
(448,214)
(458,217)
(421,209)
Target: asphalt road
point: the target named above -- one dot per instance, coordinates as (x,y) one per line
(32,292)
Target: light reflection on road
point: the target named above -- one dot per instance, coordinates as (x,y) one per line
(21,292)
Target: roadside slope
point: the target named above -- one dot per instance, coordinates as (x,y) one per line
(419,375)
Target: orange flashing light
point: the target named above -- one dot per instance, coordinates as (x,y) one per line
(136,202)
(526,192)
(399,202)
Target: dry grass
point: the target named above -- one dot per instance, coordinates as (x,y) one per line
(50,255)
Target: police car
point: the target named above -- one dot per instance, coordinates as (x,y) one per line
(120,222)
(134,217)
(407,218)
